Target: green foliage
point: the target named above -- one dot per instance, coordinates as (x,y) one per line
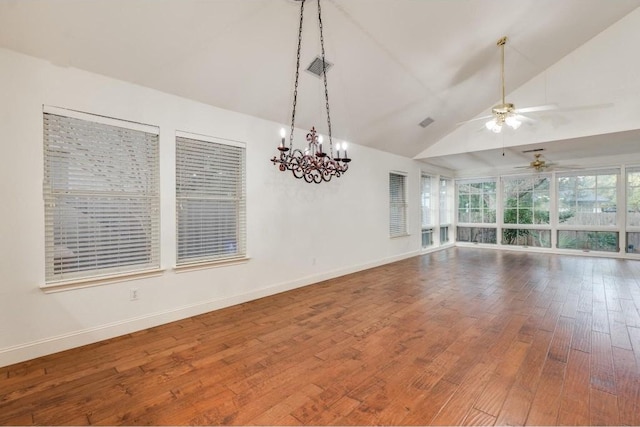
(589,240)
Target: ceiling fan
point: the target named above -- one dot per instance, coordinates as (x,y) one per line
(506,113)
(538,164)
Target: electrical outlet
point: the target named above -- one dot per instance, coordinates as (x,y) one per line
(133,294)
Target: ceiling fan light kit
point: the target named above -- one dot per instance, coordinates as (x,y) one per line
(504,113)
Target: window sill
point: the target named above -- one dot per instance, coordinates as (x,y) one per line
(72,284)
(210,264)
(399,235)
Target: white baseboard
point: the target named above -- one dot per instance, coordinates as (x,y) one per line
(43,347)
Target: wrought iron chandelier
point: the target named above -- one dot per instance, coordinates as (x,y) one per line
(313,164)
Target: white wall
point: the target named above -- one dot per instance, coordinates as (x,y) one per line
(604,70)
(298,233)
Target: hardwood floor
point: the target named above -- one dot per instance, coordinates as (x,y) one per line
(457,337)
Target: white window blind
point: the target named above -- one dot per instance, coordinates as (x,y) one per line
(633,197)
(101,191)
(210,198)
(446,201)
(397,204)
(425,181)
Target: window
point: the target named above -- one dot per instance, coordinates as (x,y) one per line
(633,197)
(101,191)
(587,210)
(633,210)
(605,241)
(477,202)
(210,199)
(526,237)
(477,205)
(526,200)
(445,208)
(477,235)
(526,211)
(427,220)
(397,204)
(587,198)
(633,243)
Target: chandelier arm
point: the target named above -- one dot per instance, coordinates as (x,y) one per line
(324,76)
(295,86)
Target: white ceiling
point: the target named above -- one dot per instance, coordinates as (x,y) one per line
(396,62)
(567,154)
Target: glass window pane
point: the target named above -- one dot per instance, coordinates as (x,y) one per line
(588,203)
(605,241)
(489,216)
(478,200)
(444,234)
(477,235)
(633,198)
(510,216)
(527,237)
(633,243)
(525,216)
(583,182)
(526,200)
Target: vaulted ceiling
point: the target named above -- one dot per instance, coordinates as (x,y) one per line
(396,62)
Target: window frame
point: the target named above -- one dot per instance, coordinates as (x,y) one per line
(588,227)
(630,248)
(427,209)
(203,146)
(398,229)
(82,187)
(446,208)
(536,229)
(479,227)
(480,195)
(598,229)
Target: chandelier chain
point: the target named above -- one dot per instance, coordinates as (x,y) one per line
(324,75)
(313,164)
(295,86)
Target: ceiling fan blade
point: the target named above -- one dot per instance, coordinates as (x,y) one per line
(525,118)
(474,120)
(523,167)
(587,107)
(567,167)
(537,108)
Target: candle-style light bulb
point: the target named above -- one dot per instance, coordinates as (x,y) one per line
(283,133)
(320,144)
(338,150)
(344,147)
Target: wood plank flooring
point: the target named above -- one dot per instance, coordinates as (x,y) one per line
(457,337)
